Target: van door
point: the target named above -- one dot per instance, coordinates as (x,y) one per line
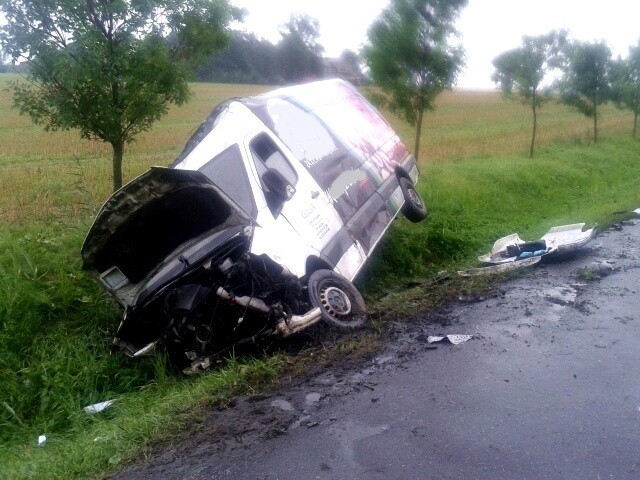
(308,209)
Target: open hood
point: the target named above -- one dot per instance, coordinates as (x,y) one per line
(152,216)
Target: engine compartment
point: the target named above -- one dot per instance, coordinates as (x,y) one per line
(232,297)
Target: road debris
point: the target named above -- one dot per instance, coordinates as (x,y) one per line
(283,405)
(562,239)
(454,339)
(511,252)
(312,398)
(500,268)
(98,407)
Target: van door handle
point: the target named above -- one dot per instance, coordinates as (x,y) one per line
(315,194)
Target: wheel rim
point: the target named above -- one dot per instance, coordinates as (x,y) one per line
(413,195)
(335,302)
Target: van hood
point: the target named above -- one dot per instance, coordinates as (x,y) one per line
(152,216)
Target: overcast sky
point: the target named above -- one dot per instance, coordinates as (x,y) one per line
(487,27)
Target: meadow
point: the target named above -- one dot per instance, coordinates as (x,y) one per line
(56,324)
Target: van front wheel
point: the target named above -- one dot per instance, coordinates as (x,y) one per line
(414,208)
(337,298)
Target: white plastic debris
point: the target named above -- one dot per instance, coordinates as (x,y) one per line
(98,407)
(454,339)
(558,240)
(42,439)
(637,211)
(499,268)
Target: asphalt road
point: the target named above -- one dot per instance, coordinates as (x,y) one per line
(547,388)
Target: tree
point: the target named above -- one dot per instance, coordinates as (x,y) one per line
(299,50)
(625,84)
(108,68)
(585,83)
(521,72)
(410,57)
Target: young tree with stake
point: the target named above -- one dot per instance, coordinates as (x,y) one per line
(521,72)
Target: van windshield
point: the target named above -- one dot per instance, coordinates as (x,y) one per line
(227,171)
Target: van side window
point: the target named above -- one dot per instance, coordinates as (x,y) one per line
(267,155)
(227,171)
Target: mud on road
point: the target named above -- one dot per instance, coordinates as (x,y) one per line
(549,387)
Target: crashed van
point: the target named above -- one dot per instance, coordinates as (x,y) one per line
(258,227)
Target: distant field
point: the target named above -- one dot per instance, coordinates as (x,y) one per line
(48,175)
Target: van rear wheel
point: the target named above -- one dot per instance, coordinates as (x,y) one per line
(414,208)
(338,299)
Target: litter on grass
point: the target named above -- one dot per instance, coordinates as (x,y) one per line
(42,439)
(454,339)
(98,407)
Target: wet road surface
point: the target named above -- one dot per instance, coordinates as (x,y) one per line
(548,388)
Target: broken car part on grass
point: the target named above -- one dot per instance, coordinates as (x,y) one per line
(511,252)
(258,227)
(98,407)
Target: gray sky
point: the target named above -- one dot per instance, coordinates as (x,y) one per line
(487,27)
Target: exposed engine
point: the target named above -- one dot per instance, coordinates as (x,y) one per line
(232,298)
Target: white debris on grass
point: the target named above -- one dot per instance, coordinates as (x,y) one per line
(42,439)
(98,407)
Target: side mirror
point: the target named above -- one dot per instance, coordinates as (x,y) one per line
(277,184)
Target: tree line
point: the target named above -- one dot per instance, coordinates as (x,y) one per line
(586,77)
(248,59)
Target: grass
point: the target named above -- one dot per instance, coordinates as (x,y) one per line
(474,202)
(56,325)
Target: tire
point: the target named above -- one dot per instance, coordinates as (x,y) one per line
(338,299)
(414,208)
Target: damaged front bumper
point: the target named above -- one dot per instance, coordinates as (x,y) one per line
(558,240)
(512,253)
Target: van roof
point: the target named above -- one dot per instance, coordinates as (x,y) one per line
(309,96)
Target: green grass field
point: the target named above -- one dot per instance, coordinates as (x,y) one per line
(56,325)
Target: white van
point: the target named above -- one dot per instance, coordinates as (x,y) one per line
(258,227)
